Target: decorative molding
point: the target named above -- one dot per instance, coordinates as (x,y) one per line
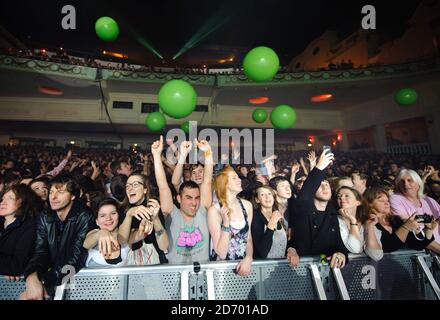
(369,73)
(152,77)
(24,64)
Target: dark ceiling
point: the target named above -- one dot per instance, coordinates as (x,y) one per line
(226,28)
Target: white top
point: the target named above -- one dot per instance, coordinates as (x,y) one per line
(96,259)
(353,244)
(375,254)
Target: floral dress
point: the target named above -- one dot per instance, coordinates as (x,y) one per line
(237,246)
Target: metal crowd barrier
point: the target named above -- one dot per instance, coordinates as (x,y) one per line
(404,274)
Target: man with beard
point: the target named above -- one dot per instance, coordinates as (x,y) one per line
(60,235)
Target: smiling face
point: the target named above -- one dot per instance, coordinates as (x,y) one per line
(135,190)
(107,218)
(347,199)
(265,197)
(9,204)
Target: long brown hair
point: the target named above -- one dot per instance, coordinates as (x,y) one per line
(126,203)
(30,205)
(361,213)
(257,205)
(372,194)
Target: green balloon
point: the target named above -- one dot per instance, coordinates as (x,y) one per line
(406,96)
(261,64)
(259,115)
(177,98)
(107,29)
(283,117)
(185,127)
(155,121)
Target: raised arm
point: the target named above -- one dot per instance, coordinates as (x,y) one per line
(312,159)
(165,195)
(56,171)
(293,172)
(314,179)
(185,148)
(206,186)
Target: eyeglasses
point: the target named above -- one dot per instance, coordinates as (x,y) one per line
(133,185)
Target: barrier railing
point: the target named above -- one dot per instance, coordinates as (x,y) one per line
(399,275)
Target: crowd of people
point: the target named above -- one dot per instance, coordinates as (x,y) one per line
(94,208)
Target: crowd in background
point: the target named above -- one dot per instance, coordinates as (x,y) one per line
(97,207)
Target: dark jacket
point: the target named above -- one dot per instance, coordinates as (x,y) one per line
(16,245)
(391,242)
(59,244)
(314,232)
(262,237)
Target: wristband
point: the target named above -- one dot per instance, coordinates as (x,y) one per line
(226,229)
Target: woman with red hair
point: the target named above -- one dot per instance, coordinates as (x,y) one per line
(229,222)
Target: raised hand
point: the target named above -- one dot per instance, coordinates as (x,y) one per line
(312,159)
(295,168)
(236,154)
(203,145)
(185,148)
(325,160)
(157,147)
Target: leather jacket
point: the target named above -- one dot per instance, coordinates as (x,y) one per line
(59,244)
